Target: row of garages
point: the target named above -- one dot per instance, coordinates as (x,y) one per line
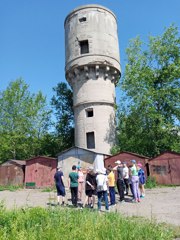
(39,171)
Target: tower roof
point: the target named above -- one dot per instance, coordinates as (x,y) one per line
(89,6)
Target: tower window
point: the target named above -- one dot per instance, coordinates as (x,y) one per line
(89,112)
(83,19)
(90,140)
(84,47)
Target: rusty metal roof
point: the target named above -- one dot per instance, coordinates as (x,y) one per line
(164,153)
(135,154)
(41,157)
(19,162)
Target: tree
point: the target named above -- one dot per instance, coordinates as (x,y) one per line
(62,103)
(24,118)
(149,117)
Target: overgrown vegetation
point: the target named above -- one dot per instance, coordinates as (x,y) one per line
(151,182)
(51,224)
(149,113)
(10,187)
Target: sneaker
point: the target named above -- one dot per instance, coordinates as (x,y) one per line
(134,200)
(138,199)
(122,201)
(141,196)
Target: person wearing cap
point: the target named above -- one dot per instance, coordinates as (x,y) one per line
(102,181)
(59,182)
(120,179)
(142,180)
(135,181)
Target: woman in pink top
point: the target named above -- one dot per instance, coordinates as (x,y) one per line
(80,183)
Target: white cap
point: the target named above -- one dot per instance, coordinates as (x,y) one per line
(118,162)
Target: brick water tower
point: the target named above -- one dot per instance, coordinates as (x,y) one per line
(92,70)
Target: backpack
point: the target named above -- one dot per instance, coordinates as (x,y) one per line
(142,178)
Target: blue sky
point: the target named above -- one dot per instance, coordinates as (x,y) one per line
(32,35)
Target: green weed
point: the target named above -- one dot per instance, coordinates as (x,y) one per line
(151,182)
(10,187)
(56,223)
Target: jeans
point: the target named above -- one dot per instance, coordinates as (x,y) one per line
(120,186)
(135,184)
(102,195)
(126,181)
(74,195)
(112,195)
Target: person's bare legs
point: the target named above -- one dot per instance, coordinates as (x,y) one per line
(85,201)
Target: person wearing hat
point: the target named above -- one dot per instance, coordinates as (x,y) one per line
(120,179)
(135,181)
(102,181)
(59,182)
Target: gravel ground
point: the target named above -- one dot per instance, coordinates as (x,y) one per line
(160,204)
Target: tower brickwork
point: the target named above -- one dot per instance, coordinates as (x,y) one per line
(92,70)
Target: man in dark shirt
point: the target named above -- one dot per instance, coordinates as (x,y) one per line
(120,179)
(90,187)
(59,181)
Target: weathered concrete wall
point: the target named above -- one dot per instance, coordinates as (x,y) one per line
(93,75)
(79,157)
(100,29)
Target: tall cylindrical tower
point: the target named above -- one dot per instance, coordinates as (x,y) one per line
(92,70)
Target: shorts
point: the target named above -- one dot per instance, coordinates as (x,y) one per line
(60,191)
(91,192)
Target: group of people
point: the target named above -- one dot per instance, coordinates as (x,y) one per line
(101,183)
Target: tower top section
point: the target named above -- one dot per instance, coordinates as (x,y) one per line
(91,39)
(89,6)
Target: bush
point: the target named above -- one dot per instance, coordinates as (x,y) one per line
(151,182)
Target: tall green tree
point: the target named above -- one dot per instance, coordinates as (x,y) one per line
(62,102)
(24,119)
(149,115)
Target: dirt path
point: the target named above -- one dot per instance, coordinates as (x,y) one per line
(162,204)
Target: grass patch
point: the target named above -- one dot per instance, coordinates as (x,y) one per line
(49,189)
(11,188)
(56,223)
(150,182)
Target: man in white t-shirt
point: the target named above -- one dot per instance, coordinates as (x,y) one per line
(102,181)
(126,177)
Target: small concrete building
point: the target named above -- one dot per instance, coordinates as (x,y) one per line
(92,70)
(79,157)
(165,168)
(40,171)
(127,157)
(12,172)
